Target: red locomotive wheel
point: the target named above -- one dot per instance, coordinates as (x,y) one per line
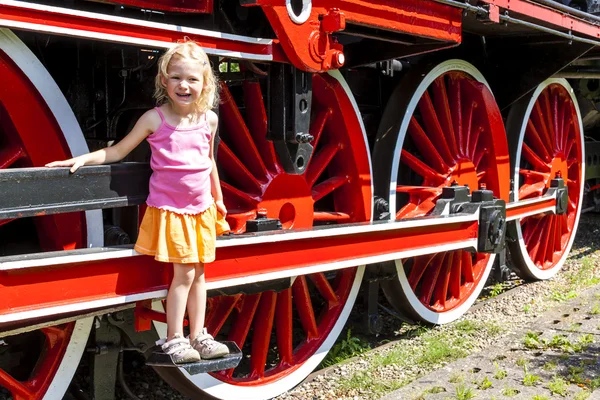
(550,143)
(33,118)
(285,335)
(447,129)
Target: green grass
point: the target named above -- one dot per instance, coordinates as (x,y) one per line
(550,366)
(582,395)
(510,392)
(464,392)
(558,386)
(484,384)
(350,346)
(540,397)
(595,309)
(500,373)
(531,380)
(560,296)
(497,289)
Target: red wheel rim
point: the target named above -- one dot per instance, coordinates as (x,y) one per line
(551,147)
(334,188)
(54,343)
(20,146)
(455,135)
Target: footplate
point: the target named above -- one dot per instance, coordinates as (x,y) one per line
(159,359)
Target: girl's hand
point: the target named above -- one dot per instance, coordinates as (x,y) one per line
(221,207)
(74,163)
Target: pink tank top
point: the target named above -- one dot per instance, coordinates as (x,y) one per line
(181,167)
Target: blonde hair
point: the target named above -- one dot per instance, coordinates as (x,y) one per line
(191,51)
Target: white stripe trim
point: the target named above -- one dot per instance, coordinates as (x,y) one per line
(137,22)
(82,306)
(125,39)
(280,236)
(339,264)
(234,281)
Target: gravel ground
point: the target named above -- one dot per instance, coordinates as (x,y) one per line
(401,354)
(394,365)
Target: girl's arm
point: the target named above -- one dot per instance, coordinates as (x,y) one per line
(215,183)
(147,124)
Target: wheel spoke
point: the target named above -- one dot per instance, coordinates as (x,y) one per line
(263,327)
(325,289)
(420,167)
(443,109)
(426,148)
(467,274)
(531,190)
(550,247)
(455,275)
(418,268)
(319,162)
(537,118)
(475,141)
(328,186)
(11,155)
(243,322)
(283,326)
(434,129)
(318,125)
(534,159)
(17,388)
(467,112)
(237,170)
(256,116)
(456,105)
(432,190)
(305,308)
(443,282)
(330,216)
(238,134)
(535,175)
(232,193)
(224,307)
(533,138)
(430,278)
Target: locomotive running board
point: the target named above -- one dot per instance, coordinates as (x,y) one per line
(33,286)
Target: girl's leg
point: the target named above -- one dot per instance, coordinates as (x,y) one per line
(183,277)
(196,303)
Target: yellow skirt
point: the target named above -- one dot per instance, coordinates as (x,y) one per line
(180,238)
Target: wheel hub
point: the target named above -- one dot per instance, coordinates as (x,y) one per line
(465,174)
(559,169)
(289,199)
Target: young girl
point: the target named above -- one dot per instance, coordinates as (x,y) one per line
(185,196)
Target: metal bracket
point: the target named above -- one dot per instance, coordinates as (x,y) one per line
(560,190)
(29,192)
(289,117)
(492,214)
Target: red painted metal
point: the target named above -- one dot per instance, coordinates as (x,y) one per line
(183,6)
(22,147)
(254,179)
(37,288)
(460,116)
(517,211)
(261,186)
(547,15)
(125,30)
(552,147)
(55,343)
(310,45)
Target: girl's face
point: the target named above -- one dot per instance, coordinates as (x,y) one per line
(184,81)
